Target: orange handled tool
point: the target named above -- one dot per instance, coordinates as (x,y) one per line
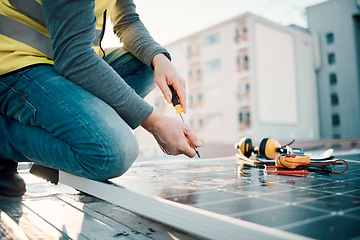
(179,110)
(291,161)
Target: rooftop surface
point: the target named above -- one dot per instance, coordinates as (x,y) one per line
(320,205)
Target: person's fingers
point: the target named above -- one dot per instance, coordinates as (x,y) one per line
(191,136)
(191,141)
(179,87)
(173,136)
(164,88)
(182,144)
(187,150)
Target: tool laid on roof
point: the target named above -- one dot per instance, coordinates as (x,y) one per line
(291,161)
(179,110)
(283,160)
(293,165)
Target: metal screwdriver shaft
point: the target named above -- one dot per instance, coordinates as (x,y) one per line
(182,118)
(179,110)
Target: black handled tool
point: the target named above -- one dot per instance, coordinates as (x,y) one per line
(179,110)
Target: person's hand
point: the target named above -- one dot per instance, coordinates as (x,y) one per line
(165,75)
(173,136)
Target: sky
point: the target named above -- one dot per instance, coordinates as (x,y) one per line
(170,20)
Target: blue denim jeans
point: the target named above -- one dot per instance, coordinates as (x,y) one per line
(46,119)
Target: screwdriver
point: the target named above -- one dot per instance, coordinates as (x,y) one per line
(179,110)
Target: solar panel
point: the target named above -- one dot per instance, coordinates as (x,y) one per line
(225,198)
(320,205)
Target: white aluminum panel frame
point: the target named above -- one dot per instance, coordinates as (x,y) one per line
(189,219)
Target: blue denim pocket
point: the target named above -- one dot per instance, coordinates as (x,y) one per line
(14,104)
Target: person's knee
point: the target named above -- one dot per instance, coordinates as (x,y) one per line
(123,157)
(116,158)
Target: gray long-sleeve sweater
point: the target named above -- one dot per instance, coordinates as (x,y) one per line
(71,25)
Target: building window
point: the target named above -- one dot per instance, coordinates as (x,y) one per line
(247,88)
(244,120)
(242,63)
(244,30)
(201,122)
(237,35)
(238,63)
(246,63)
(334,99)
(193,50)
(335,120)
(240,35)
(194,75)
(213,65)
(198,73)
(333,79)
(195,100)
(238,60)
(330,38)
(240,118)
(331,58)
(212,39)
(248,120)
(247,91)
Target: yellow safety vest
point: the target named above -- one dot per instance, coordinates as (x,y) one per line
(24,38)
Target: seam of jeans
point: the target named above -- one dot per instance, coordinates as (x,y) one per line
(27,102)
(129,65)
(142,69)
(74,116)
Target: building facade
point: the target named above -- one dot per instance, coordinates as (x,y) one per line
(336,24)
(246,76)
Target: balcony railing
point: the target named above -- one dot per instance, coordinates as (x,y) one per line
(194,54)
(241,38)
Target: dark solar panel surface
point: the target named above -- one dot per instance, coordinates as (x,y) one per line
(321,205)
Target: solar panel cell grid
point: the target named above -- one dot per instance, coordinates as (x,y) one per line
(321,205)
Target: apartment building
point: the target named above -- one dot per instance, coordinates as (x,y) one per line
(336,23)
(247,76)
